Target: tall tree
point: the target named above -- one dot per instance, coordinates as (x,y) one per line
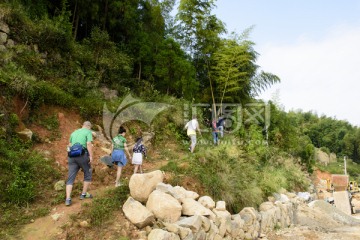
(174,71)
(199,33)
(235,71)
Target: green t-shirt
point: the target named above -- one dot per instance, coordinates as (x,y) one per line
(118,142)
(82,136)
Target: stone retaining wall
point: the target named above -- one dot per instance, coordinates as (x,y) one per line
(169,212)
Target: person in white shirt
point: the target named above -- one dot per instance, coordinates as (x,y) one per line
(192,126)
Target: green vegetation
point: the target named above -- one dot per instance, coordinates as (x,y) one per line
(228,173)
(65,52)
(102,209)
(352,168)
(25,179)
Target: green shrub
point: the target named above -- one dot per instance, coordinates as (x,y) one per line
(24,174)
(102,208)
(21,190)
(48,34)
(13,120)
(325,149)
(229,176)
(17,79)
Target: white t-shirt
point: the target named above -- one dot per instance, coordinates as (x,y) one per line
(191,127)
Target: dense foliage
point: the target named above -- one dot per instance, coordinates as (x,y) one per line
(66,51)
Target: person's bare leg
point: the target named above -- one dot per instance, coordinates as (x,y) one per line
(140,166)
(136,168)
(68,191)
(85,187)
(192,148)
(118,175)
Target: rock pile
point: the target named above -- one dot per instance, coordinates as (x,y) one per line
(169,212)
(5,41)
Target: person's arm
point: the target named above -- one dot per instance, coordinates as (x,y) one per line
(198,128)
(127,150)
(144,150)
(89,147)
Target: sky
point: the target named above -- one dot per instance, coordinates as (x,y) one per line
(312,45)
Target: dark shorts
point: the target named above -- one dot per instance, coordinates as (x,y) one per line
(119,157)
(77,163)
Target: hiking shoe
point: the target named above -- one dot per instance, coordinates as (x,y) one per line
(67,202)
(86,195)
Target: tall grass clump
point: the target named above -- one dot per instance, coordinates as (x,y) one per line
(230,174)
(102,208)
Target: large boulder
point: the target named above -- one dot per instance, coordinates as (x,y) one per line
(333,157)
(251,222)
(25,134)
(237,224)
(10,43)
(270,216)
(190,207)
(193,222)
(3,38)
(138,214)
(182,193)
(164,206)
(207,202)
(167,188)
(159,234)
(322,157)
(4,27)
(141,185)
(59,185)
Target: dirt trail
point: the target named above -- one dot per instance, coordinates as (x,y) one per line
(50,226)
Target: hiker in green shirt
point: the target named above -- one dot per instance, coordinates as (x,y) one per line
(118,148)
(83,161)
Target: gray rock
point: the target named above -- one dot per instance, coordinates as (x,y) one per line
(25,134)
(138,214)
(59,185)
(164,206)
(3,37)
(4,27)
(141,185)
(159,234)
(194,223)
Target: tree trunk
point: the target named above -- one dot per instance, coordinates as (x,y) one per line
(76,26)
(74,14)
(139,76)
(105,15)
(212,92)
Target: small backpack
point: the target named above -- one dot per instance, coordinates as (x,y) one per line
(76,150)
